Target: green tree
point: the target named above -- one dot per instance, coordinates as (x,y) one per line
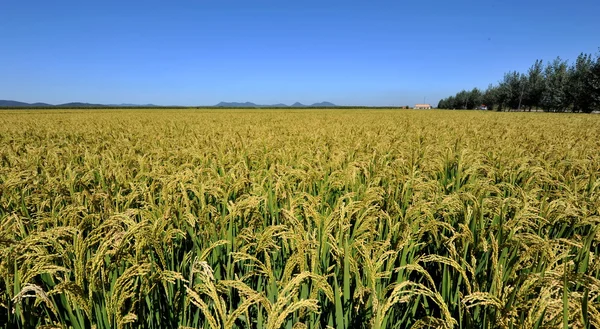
(594,84)
(556,76)
(490,97)
(512,88)
(475,98)
(442,104)
(535,86)
(451,102)
(504,93)
(462,99)
(580,81)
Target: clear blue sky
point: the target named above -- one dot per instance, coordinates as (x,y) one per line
(347,52)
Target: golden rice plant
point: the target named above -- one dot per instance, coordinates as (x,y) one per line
(299,219)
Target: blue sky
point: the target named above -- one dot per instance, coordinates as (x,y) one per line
(347,52)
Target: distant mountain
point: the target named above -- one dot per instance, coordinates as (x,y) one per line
(323,104)
(15,104)
(7,103)
(79,104)
(278,105)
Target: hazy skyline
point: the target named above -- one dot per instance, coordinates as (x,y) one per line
(266,52)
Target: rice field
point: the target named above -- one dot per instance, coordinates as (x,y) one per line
(299,219)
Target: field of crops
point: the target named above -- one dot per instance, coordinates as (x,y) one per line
(299,219)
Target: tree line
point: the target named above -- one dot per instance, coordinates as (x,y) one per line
(558,86)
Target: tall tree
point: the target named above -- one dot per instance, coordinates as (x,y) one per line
(556,76)
(442,104)
(475,98)
(451,101)
(521,86)
(490,97)
(580,81)
(510,90)
(462,99)
(535,85)
(594,86)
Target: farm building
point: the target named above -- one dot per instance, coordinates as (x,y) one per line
(423,106)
